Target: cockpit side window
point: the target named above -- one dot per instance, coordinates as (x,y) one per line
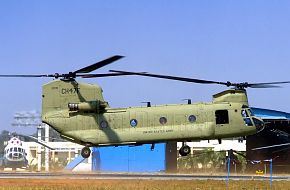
(222,116)
(244,113)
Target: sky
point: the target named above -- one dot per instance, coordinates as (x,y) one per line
(238,41)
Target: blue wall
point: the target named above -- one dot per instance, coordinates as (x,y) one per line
(129,159)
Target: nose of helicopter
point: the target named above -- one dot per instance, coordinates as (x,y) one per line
(259,124)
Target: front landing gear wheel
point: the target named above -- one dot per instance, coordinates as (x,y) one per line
(86,152)
(184,150)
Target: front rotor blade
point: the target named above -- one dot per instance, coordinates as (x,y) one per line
(99,64)
(267,84)
(200,81)
(264,86)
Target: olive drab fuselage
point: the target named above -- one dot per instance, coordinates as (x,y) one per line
(79,113)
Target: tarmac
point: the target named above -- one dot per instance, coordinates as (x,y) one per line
(140,176)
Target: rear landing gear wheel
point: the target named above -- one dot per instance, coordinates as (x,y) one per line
(86,152)
(184,150)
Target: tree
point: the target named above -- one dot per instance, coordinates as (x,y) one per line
(4,136)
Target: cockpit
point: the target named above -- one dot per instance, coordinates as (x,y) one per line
(15,153)
(251,120)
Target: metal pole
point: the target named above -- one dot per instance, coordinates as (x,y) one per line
(229,165)
(39,148)
(271,173)
(46,149)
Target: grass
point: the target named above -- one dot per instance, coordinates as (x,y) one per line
(83,184)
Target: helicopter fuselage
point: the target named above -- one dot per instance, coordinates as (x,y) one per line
(80,114)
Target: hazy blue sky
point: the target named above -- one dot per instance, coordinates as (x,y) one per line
(215,40)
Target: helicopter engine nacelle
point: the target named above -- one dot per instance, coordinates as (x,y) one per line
(88,106)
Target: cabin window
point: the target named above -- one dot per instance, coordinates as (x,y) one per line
(222,116)
(163,120)
(191,118)
(104,124)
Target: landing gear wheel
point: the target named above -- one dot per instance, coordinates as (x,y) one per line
(86,152)
(184,150)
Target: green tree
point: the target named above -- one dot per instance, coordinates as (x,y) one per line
(4,136)
(202,161)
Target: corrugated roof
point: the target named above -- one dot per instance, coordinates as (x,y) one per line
(270,114)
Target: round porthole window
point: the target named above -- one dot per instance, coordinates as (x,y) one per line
(163,120)
(191,118)
(133,122)
(104,124)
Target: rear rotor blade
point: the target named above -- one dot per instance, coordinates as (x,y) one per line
(78,73)
(28,76)
(99,64)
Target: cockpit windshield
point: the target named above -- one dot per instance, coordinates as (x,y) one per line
(246,113)
(251,120)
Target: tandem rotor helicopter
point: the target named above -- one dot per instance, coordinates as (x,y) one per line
(80,114)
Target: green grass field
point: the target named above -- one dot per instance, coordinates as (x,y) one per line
(83,184)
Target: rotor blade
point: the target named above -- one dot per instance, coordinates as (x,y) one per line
(264,86)
(101,75)
(266,147)
(200,81)
(28,76)
(99,64)
(267,85)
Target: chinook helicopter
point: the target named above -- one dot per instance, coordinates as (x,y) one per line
(80,114)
